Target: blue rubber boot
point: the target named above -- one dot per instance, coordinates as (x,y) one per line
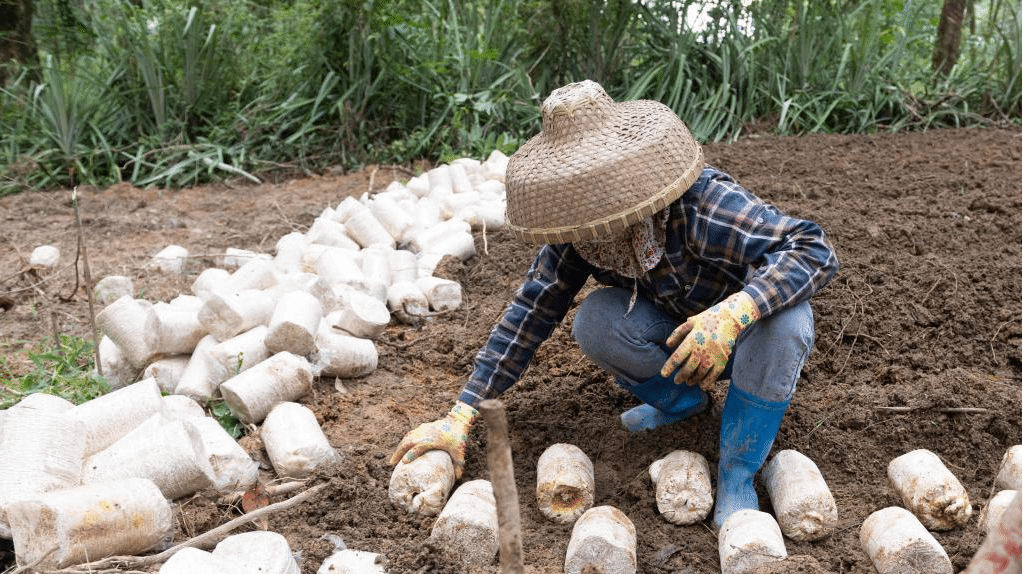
(748,427)
(665,403)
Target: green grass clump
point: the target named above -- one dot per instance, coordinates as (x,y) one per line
(66,372)
(69,372)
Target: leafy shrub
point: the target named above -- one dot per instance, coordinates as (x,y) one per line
(164,92)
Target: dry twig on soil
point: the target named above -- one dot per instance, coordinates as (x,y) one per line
(287,221)
(955,278)
(991,342)
(29,567)
(861,311)
(205,539)
(49,277)
(951,410)
(272,490)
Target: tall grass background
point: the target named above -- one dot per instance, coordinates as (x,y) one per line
(171,93)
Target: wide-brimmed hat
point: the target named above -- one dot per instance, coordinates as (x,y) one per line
(598,166)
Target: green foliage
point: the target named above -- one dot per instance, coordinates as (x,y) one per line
(63,25)
(576,39)
(228,421)
(442,84)
(993,60)
(66,371)
(169,93)
(221,411)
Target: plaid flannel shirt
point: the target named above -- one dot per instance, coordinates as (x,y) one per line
(720,239)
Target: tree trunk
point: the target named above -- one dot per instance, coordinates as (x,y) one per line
(16,41)
(950,29)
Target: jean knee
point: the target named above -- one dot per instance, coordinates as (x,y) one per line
(770,356)
(627,343)
(591,320)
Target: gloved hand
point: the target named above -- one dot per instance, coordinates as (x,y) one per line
(707,340)
(448,434)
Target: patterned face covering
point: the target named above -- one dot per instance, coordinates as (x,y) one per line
(631,254)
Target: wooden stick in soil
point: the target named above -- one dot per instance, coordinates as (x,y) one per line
(88,281)
(502,478)
(56,333)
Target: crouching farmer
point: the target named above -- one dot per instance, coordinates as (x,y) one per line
(703,281)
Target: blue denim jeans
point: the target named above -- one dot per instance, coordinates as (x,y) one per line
(766,362)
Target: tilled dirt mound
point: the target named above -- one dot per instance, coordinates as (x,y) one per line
(918,343)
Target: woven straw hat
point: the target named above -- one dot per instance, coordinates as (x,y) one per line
(597,166)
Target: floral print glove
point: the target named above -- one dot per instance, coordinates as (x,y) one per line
(707,340)
(448,434)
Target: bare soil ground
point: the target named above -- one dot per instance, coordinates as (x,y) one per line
(924,315)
